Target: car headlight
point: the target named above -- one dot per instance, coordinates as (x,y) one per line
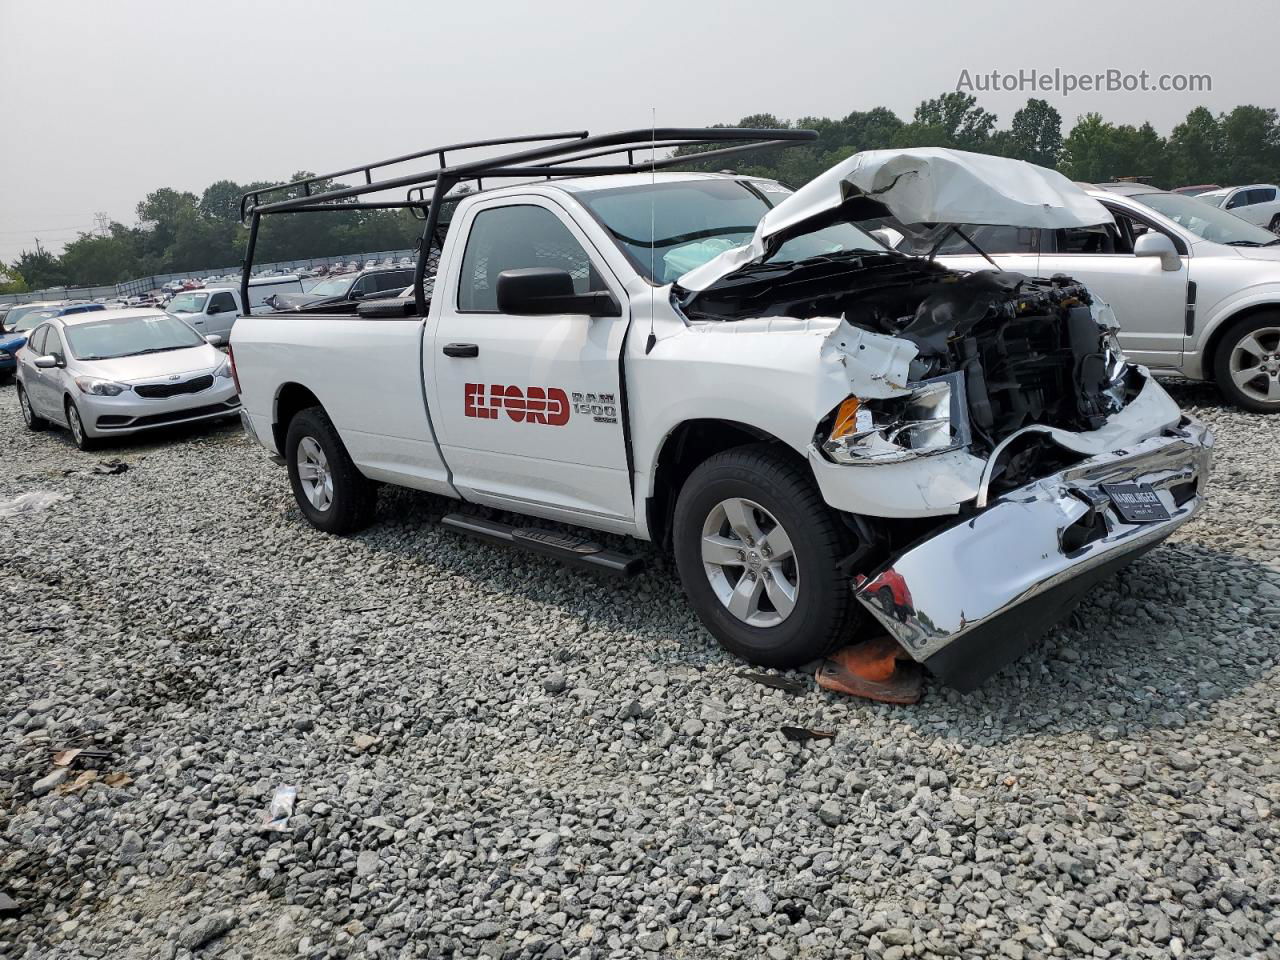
(99,387)
(932,418)
(224,371)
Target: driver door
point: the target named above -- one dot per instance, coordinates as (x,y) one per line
(528,407)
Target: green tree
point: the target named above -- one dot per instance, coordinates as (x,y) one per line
(955,119)
(1035,134)
(90,260)
(1250,145)
(1195,148)
(40,269)
(11,280)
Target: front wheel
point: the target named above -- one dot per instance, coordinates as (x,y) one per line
(1275,224)
(332,493)
(33,422)
(76,426)
(1247,363)
(759,554)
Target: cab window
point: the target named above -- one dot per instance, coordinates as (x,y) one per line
(512,238)
(222,303)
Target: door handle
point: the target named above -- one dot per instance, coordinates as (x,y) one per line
(461,350)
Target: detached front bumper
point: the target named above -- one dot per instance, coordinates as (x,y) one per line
(974,597)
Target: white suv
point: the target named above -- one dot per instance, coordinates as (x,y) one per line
(1196,290)
(1258,203)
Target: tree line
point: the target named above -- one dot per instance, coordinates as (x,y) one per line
(179,231)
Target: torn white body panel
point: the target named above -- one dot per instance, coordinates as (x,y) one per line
(923,185)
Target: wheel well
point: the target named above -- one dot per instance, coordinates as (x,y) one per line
(688,445)
(292,399)
(1210,356)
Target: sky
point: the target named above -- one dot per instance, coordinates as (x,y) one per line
(104,102)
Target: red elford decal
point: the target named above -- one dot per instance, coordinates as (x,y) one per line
(549,405)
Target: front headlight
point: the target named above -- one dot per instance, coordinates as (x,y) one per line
(99,387)
(933,418)
(224,371)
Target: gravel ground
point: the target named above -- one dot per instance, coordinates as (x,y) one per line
(495,756)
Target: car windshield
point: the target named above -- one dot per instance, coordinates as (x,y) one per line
(1207,221)
(24,319)
(332,287)
(187,303)
(129,336)
(692,221)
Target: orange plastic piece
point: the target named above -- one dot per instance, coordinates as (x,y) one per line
(876,670)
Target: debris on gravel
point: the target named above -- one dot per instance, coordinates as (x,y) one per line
(496,756)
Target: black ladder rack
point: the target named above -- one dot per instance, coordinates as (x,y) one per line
(556,155)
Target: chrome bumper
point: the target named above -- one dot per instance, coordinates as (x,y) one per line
(972,598)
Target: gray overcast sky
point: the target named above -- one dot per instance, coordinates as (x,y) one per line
(107,101)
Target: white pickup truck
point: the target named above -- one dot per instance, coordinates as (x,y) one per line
(829,435)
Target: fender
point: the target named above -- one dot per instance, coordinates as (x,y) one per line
(1218,315)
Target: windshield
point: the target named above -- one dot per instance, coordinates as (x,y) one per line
(187,303)
(24,319)
(694,221)
(1206,221)
(130,336)
(332,287)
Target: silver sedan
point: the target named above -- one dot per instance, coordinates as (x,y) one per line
(116,372)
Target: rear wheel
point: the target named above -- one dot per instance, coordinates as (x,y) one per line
(1247,363)
(28,415)
(332,493)
(759,555)
(76,426)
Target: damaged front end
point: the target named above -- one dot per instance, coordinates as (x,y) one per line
(1018,458)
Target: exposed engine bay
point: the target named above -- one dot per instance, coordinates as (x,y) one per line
(1029,350)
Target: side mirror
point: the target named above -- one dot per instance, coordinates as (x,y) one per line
(48,361)
(542,291)
(1153,244)
(214,340)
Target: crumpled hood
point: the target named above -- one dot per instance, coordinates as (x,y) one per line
(922,185)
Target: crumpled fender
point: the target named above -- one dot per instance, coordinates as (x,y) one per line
(878,365)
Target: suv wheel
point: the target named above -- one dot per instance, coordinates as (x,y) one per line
(332,493)
(1246,365)
(759,554)
(29,415)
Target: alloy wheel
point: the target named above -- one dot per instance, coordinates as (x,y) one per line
(750,562)
(1255,364)
(27,413)
(77,428)
(314,473)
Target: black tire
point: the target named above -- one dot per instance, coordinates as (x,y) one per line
(34,423)
(824,614)
(354,498)
(1275,224)
(79,436)
(1233,335)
